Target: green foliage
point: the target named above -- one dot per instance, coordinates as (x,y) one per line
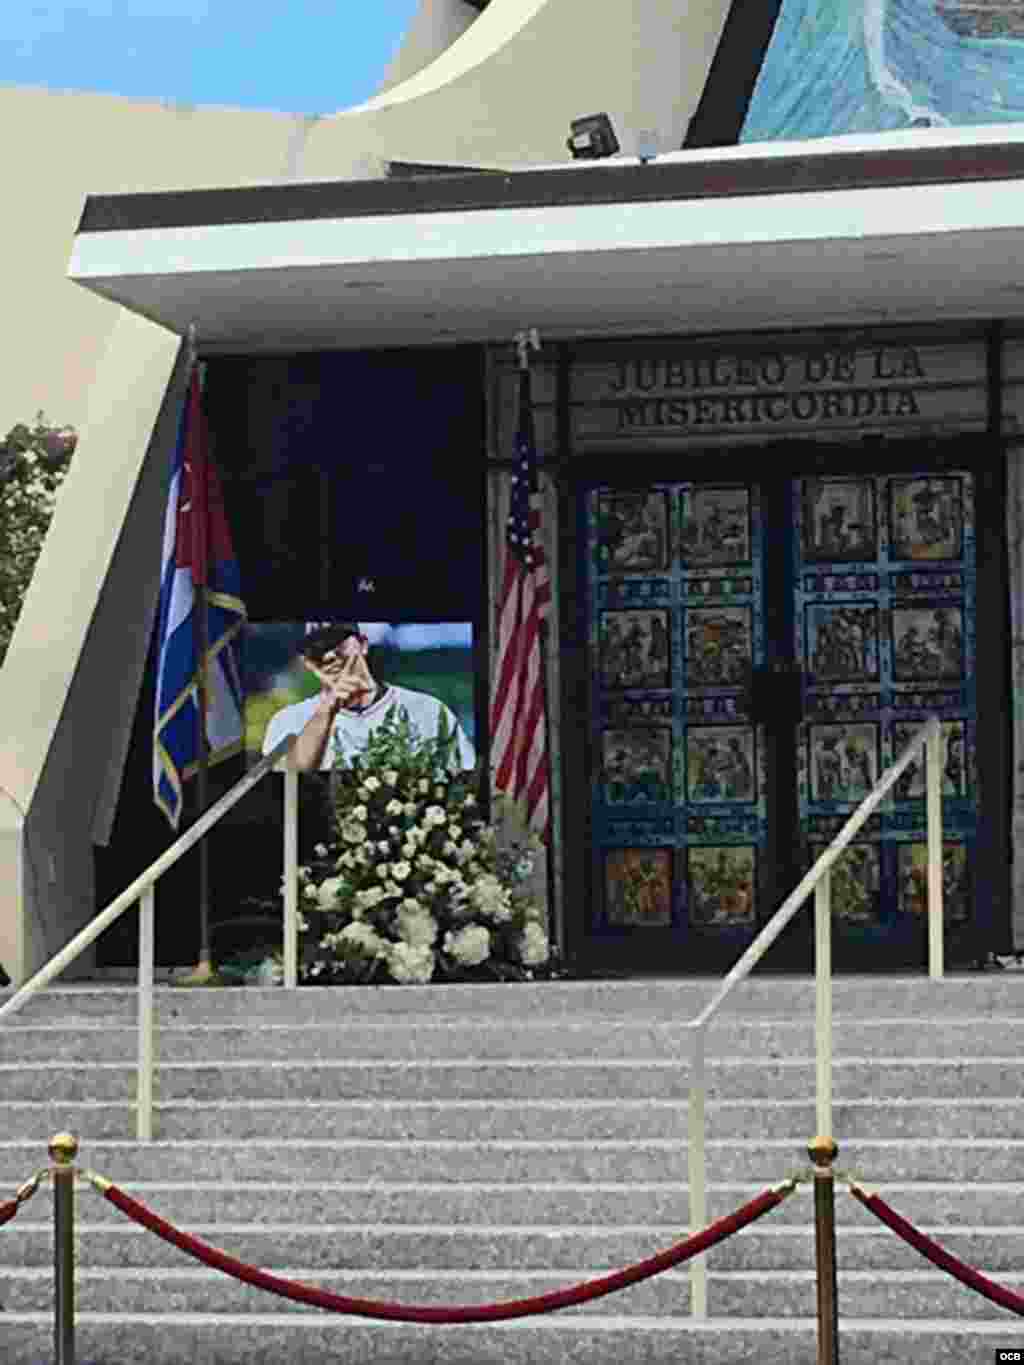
(33,464)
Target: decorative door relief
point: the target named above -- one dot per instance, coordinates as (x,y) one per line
(676,620)
(884,580)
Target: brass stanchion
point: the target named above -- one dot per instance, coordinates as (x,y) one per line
(63,1150)
(823,1151)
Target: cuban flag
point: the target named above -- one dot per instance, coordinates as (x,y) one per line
(197,552)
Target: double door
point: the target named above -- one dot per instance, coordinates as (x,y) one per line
(764,640)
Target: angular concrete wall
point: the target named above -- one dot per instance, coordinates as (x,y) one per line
(501,87)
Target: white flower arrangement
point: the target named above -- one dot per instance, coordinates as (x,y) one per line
(413,888)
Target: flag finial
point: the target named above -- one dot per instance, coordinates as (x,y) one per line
(526,340)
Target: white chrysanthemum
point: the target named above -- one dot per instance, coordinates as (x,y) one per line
(364,937)
(410,808)
(423,786)
(434,815)
(390,777)
(353,832)
(455,831)
(409,848)
(363,793)
(470,945)
(533,945)
(371,783)
(400,871)
(409,965)
(393,807)
(328,892)
(491,898)
(360,813)
(383,871)
(373,895)
(417,927)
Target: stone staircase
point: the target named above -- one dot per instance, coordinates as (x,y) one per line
(455,1144)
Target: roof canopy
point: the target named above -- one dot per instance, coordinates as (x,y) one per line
(898,227)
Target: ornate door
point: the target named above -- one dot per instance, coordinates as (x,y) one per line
(760,650)
(885,585)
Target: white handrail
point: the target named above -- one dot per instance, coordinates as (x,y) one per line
(141,890)
(816,880)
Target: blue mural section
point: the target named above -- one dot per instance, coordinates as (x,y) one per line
(849,66)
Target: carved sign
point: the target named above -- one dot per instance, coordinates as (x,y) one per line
(697,393)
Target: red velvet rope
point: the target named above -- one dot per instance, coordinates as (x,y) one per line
(8,1210)
(491,1312)
(934,1253)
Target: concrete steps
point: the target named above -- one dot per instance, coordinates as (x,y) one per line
(466,1144)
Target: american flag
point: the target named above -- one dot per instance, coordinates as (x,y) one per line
(519,740)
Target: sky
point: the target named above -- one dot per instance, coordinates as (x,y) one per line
(297,56)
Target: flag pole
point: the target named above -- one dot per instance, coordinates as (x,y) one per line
(526,341)
(204,968)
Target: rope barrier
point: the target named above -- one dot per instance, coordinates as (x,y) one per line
(397,1312)
(12,1207)
(938,1256)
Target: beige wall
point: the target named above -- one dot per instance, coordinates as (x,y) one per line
(502,87)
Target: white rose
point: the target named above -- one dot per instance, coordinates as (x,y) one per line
(533,945)
(455,830)
(353,832)
(383,871)
(470,945)
(400,871)
(409,848)
(364,937)
(360,814)
(371,784)
(410,965)
(417,927)
(328,892)
(393,807)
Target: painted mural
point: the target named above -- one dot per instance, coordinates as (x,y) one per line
(862,66)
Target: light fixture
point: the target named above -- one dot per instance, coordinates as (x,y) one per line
(592,137)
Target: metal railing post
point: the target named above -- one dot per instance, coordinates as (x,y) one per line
(697,1176)
(63,1150)
(933,775)
(144,1080)
(823,1151)
(291,876)
(823,998)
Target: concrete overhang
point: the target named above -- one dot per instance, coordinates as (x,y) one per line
(900,227)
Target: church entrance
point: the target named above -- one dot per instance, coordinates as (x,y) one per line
(766,631)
